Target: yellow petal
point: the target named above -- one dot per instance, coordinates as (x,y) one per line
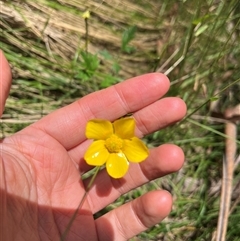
(99,129)
(135,150)
(124,128)
(117,165)
(96,154)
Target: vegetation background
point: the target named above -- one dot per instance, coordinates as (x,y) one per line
(57,56)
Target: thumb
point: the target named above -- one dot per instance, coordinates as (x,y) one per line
(5,81)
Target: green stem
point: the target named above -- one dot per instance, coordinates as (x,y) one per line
(62,238)
(86,34)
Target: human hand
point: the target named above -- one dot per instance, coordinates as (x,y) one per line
(41,166)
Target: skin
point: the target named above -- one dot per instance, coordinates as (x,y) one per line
(41,166)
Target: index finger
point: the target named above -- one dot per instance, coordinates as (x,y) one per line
(67,125)
(5,81)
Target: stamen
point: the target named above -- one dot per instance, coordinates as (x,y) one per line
(114,144)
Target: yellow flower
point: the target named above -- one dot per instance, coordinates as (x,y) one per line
(86,14)
(114,145)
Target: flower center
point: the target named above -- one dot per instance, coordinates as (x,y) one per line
(114,143)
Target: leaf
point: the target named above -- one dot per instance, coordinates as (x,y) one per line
(116,68)
(128,36)
(105,54)
(201,30)
(108,81)
(90,62)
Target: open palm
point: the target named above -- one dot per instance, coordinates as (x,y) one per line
(41,166)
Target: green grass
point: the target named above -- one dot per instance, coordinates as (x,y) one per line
(195,42)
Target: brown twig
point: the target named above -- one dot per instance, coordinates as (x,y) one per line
(228,170)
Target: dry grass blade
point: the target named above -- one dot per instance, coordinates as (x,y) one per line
(62,30)
(228,169)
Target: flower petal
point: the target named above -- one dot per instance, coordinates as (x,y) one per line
(135,150)
(96,154)
(99,129)
(124,127)
(117,165)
